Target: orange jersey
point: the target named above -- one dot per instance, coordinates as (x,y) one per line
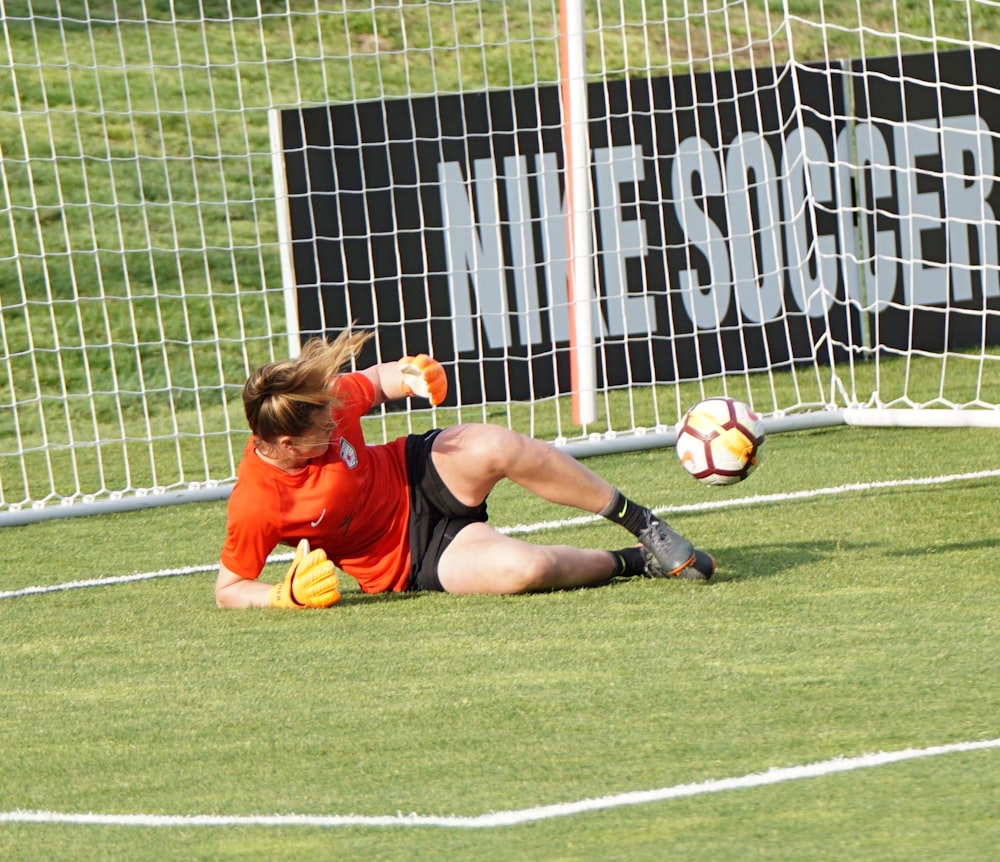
(353,502)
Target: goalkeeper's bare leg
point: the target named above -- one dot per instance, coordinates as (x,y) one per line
(480,560)
(471,459)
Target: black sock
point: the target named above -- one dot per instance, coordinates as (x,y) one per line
(631,516)
(631,562)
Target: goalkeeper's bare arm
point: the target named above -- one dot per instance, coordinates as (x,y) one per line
(235,591)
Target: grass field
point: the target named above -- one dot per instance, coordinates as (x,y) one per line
(844,623)
(855,610)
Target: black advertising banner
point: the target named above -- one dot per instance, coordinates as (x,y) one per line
(400,215)
(730,225)
(726,218)
(928,143)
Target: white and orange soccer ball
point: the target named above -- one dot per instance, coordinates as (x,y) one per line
(719,440)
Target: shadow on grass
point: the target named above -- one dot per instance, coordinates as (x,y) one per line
(740,564)
(356,597)
(922,550)
(765,561)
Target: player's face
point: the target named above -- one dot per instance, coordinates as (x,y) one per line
(315,441)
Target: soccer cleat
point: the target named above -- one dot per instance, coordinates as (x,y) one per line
(701,568)
(671,551)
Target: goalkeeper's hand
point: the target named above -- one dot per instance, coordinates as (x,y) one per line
(423,376)
(310,581)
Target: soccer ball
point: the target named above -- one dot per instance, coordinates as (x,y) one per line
(719,440)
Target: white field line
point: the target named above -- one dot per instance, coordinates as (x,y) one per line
(495,819)
(761,499)
(108,581)
(525,529)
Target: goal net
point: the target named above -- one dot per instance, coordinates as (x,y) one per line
(593,214)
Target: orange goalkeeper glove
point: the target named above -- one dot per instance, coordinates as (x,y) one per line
(423,376)
(310,581)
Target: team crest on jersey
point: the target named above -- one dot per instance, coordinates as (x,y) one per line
(347,453)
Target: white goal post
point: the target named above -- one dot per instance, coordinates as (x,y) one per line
(593,213)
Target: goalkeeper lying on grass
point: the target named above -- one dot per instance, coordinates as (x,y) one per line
(409,514)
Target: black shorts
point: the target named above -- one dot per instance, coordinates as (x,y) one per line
(435,515)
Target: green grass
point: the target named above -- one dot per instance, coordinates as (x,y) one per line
(837,626)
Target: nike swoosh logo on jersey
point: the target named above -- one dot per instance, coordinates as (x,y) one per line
(315,523)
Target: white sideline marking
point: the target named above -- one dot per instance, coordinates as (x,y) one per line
(110,581)
(494,819)
(524,529)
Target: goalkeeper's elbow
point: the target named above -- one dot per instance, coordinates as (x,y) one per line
(235,591)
